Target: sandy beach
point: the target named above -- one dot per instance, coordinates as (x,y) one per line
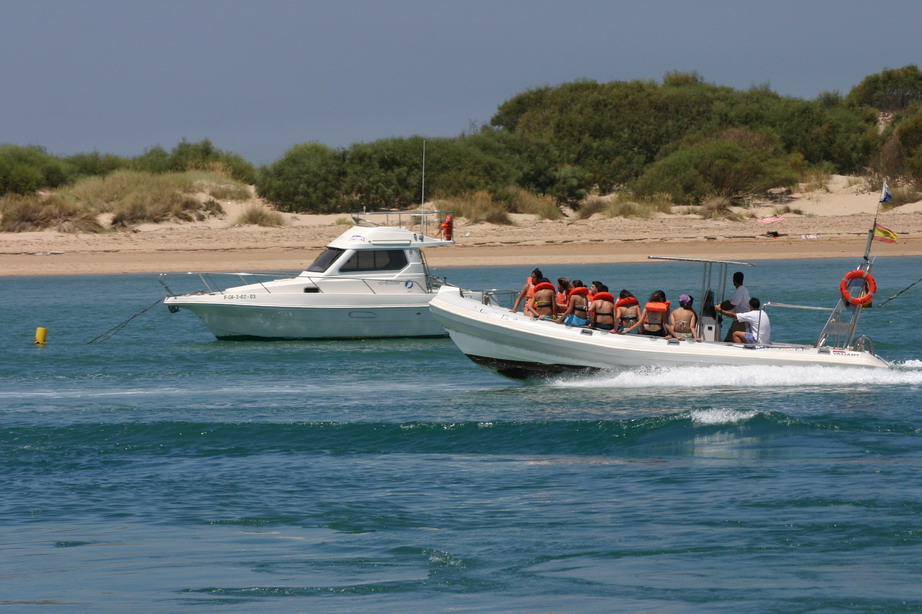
(829,223)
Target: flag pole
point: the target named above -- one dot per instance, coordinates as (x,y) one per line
(884,197)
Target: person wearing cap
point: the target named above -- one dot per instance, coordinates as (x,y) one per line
(683,322)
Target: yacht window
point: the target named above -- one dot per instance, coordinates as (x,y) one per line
(324,260)
(376,260)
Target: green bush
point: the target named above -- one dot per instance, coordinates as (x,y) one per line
(94,163)
(721,167)
(308,178)
(889,90)
(26,169)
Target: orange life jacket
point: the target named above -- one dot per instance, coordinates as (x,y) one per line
(626,301)
(603,296)
(662,308)
(563,299)
(531,287)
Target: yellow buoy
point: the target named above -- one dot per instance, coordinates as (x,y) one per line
(40,335)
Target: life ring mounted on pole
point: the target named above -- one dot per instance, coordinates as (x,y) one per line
(870,287)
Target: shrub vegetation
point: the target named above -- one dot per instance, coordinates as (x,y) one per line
(257,215)
(553,146)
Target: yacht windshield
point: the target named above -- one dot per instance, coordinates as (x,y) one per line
(324,260)
(376,260)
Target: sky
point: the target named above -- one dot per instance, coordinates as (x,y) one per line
(258,77)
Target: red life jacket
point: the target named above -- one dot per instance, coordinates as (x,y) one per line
(626,301)
(603,296)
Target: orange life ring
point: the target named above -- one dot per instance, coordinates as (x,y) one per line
(870,287)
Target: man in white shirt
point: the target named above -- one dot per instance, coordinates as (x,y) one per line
(760,328)
(738,304)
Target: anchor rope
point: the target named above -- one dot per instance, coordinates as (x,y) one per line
(118,327)
(899,293)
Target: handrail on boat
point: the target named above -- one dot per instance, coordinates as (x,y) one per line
(787,306)
(316,281)
(419,217)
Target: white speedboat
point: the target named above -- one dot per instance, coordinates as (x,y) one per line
(372,281)
(520,347)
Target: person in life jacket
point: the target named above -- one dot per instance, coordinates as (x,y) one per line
(627,311)
(654,316)
(563,294)
(528,290)
(446,229)
(577,312)
(543,305)
(594,287)
(602,309)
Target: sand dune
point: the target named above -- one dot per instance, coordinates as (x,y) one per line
(828,223)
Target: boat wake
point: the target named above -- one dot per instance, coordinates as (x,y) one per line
(720,416)
(906,374)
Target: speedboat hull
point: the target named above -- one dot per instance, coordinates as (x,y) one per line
(518,346)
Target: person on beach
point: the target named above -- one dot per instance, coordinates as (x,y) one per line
(683,321)
(528,290)
(577,312)
(602,309)
(627,311)
(654,316)
(760,328)
(542,304)
(739,303)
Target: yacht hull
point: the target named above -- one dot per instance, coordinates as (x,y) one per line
(228,320)
(520,347)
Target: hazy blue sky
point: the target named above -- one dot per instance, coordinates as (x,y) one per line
(256,78)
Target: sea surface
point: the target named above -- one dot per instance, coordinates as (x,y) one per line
(162,470)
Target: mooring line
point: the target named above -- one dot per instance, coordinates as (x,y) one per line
(899,293)
(115,329)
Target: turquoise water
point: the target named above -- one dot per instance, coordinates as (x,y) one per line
(163,470)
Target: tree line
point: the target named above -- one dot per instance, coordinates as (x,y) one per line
(681,137)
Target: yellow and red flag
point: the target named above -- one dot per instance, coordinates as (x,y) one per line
(884,234)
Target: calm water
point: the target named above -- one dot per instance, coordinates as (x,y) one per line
(163,470)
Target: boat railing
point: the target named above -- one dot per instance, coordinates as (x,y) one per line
(211,283)
(420,220)
(497,297)
(211,286)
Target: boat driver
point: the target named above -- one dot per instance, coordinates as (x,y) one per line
(760,328)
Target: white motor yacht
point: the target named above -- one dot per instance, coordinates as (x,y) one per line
(372,281)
